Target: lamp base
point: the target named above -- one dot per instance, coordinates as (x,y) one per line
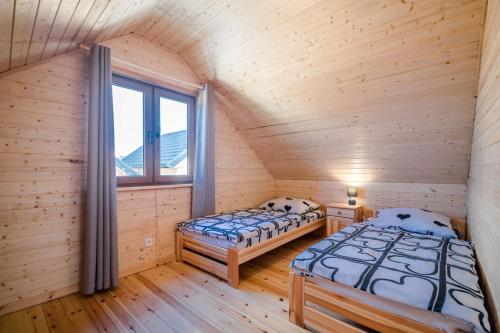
(352,202)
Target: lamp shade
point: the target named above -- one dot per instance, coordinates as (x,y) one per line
(352,191)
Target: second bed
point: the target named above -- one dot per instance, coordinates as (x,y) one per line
(220,243)
(404,271)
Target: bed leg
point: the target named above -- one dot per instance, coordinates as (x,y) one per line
(233,269)
(178,247)
(296,299)
(325,232)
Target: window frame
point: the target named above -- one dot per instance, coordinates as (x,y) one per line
(151,120)
(190,102)
(146,90)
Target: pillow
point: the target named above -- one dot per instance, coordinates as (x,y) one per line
(290,205)
(414,220)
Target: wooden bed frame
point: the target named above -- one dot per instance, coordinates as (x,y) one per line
(306,294)
(225,262)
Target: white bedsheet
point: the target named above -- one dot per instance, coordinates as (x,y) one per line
(432,273)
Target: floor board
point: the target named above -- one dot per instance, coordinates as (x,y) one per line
(175,297)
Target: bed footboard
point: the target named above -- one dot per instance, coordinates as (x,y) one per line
(305,316)
(315,303)
(225,263)
(213,259)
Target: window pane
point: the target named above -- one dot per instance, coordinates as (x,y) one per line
(128,108)
(173,138)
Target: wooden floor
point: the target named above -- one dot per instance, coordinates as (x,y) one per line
(176,298)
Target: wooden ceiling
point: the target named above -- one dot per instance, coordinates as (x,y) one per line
(31,30)
(344,90)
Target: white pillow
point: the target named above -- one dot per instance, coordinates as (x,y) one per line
(290,205)
(414,220)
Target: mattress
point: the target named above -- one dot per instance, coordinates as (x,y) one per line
(426,272)
(245,227)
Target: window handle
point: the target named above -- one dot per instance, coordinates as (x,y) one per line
(150,137)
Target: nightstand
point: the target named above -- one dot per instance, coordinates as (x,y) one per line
(340,215)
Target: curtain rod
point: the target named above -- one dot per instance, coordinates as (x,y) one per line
(153,73)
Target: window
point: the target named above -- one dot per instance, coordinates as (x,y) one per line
(154,133)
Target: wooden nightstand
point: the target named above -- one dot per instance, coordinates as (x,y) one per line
(340,215)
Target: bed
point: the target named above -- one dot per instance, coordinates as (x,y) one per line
(220,243)
(384,277)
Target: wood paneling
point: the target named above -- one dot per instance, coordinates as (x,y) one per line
(347,90)
(6,18)
(43,133)
(31,30)
(138,51)
(137,220)
(43,136)
(149,213)
(484,181)
(448,199)
(175,297)
(241,180)
(379,91)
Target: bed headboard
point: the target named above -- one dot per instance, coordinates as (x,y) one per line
(457,223)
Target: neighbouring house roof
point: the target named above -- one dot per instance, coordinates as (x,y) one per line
(125,168)
(173,149)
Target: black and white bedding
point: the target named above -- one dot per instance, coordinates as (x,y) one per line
(415,220)
(244,227)
(290,205)
(428,272)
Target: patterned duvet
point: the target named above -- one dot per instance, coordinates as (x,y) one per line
(427,272)
(245,227)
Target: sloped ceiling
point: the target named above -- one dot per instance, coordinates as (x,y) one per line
(32,30)
(343,90)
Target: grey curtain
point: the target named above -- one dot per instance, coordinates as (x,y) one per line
(100,270)
(204,160)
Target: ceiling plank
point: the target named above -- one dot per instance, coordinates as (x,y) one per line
(121,15)
(63,17)
(44,20)
(102,21)
(88,24)
(82,10)
(160,9)
(6,19)
(24,20)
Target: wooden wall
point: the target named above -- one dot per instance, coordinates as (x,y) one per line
(241,180)
(43,112)
(144,213)
(484,181)
(449,199)
(140,52)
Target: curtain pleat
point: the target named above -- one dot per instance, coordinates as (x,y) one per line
(100,269)
(204,162)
